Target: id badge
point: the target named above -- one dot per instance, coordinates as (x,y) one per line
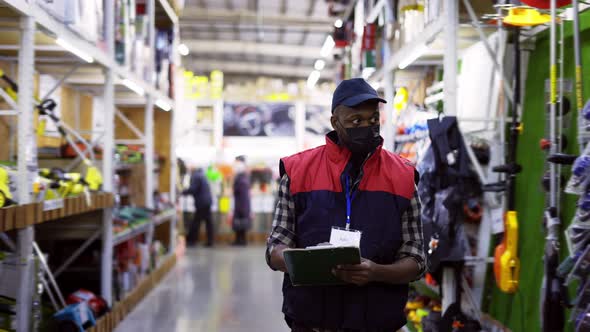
(341,237)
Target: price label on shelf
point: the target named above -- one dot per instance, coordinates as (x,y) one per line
(53,204)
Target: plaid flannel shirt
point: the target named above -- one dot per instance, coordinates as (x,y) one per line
(283,227)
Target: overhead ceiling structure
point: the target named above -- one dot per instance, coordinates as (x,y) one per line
(280,38)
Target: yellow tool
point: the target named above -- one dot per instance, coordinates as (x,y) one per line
(506,261)
(400,101)
(69,184)
(526,17)
(5,195)
(12,89)
(93,177)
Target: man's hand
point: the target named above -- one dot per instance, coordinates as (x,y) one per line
(403,271)
(359,274)
(277,260)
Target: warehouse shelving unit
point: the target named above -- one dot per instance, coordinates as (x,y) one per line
(118,86)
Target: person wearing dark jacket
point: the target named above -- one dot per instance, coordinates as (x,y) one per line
(241,221)
(199,189)
(365,192)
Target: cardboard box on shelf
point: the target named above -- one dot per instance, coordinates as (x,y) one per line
(39,213)
(9,217)
(30,213)
(2,220)
(21,216)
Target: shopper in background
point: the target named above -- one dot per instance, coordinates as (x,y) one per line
(241,220)
(200,191)
(350,178)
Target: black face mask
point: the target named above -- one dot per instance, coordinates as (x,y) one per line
(362,140)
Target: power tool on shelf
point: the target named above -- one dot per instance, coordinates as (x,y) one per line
(5,194)
(46,108)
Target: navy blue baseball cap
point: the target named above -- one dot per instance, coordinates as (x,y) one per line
(353,92)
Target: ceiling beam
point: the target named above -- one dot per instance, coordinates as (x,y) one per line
(310,9)
(243,47)
(229,5)
(248,27)
(206,65)
(253,5)
(283,11)
(216,16)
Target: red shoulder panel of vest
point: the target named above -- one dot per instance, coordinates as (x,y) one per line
(312,170)
(389,173)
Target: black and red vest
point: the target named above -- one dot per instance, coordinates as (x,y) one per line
(317,178)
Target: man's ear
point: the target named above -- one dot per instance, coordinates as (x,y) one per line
(333,121)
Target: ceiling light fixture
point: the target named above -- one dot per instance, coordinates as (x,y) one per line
(70,48)
(313,79)
(338,23)
(319,64)
(327,47)
(133,86)
(183,49)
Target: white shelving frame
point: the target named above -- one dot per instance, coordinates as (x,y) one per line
(32,16)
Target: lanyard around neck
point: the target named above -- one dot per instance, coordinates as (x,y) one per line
(349,198)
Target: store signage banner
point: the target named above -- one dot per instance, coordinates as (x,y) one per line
(259,120)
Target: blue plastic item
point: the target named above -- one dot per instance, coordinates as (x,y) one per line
(586,110)
(77,315)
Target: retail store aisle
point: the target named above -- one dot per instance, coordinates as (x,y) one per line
(213,290)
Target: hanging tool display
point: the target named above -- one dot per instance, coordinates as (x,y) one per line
(577,265)
(553,292)
(506,262)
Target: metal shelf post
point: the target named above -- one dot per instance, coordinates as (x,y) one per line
(106,280)
(389,89)
(27,167)
(149,152)
(149,113)
(450,108)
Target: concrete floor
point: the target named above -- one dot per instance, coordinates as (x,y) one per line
(213,290)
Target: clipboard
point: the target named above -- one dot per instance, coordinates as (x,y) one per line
(313,266)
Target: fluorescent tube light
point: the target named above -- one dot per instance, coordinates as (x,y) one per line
(183,49)
(163,105)
(338,23)
(313,78)
(319,64)
(68,47)
(416,53)
(133,86)
(327,47)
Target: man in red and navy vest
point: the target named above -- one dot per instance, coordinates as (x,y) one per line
(383,205)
